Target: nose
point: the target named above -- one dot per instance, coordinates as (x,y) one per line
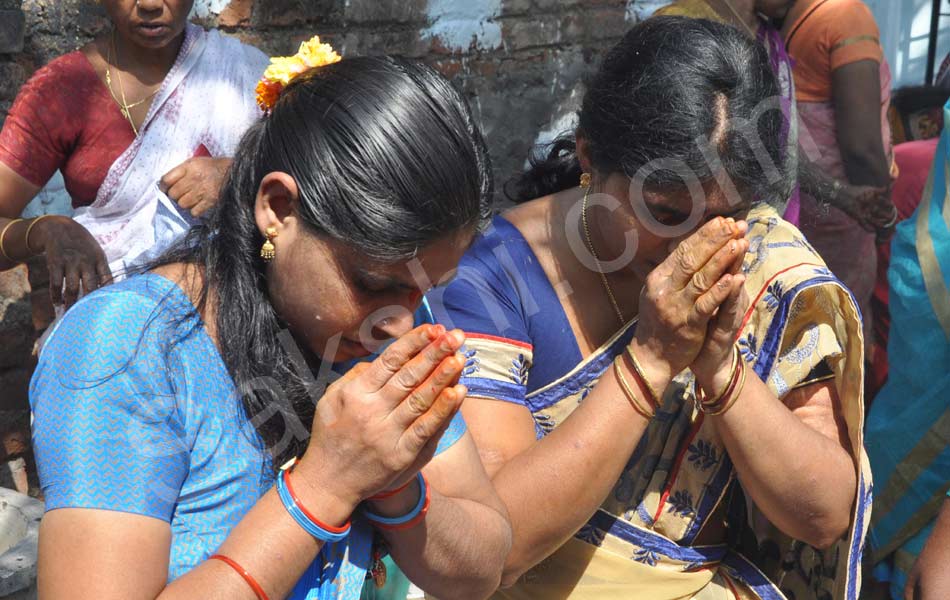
(149,6)
(397,323)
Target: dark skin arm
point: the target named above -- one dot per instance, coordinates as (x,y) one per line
(870,206)
(856,91)
(73,256)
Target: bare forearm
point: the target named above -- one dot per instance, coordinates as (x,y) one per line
(457,552)
(269,544)
(816,183)
(568,473)
(803,481)
(866,164)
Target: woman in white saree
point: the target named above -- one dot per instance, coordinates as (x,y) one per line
(141,122)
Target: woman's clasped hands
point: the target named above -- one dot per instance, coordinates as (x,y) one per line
(381,423)
(692,306)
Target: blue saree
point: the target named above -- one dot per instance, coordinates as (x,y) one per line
(908,429)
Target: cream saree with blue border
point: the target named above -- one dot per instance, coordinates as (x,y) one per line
(642,541)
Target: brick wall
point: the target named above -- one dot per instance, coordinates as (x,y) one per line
(519,62)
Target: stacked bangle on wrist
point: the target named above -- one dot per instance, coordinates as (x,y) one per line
(3,234)
(29,229)
(390,493)
(303,517)
(655,396)
(730,394)
(410,519)
(647,412)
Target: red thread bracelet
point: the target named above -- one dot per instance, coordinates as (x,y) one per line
(307,513)
(391,493)
(248,578)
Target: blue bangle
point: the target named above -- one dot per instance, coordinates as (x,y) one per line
(395,522)
(308,524)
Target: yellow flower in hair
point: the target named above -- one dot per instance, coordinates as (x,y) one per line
(316,54)
(283,69)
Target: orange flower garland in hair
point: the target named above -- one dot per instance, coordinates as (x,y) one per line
(283,69)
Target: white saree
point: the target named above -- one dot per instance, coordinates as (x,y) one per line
(203,107)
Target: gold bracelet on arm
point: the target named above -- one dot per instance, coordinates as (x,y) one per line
(30,228)
(732,397)
(3,234)
(730,393)
(629,393)
(655,397)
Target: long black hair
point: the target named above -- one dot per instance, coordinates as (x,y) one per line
(387,159)
(667,85)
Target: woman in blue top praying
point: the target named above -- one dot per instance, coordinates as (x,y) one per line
(181,445)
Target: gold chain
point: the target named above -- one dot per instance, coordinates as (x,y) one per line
(593,252)
(124,106)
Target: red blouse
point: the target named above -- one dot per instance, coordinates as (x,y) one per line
(64,118)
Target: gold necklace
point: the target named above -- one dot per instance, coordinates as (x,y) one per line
(124,106)
(600,270)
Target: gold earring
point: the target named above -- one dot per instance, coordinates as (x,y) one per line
(268,251)
(585,180)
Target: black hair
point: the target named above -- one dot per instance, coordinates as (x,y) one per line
(670,82)
(387,159)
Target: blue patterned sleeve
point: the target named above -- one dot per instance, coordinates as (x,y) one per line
(107,430)
(484,301)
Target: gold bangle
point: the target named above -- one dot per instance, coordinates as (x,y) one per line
(3,234)
(656,397)
(629,393)
(735,394)
(729,383)
(33,223)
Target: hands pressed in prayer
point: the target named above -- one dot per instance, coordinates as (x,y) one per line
(689,304)
(196,183)
(381,423)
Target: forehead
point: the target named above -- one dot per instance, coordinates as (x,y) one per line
(714,201)
(429,264)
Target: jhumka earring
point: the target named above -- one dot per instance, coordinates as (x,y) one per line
(268,251)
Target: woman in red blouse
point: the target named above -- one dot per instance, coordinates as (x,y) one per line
(141,132)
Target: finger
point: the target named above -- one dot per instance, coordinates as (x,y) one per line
(421,399)
(420,367)
(56,283)
(398,354)
(429,450)
(90,281)
(202,207)
(426,427)
(103,271)
(706,305)
(696,250)
(71,292)
(179,191)
(724,261)
(172,177)
(732,310)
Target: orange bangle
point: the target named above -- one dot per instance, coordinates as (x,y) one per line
(258,590)
(332,529)
(391,493)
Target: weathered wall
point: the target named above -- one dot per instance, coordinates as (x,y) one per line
(519,62)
